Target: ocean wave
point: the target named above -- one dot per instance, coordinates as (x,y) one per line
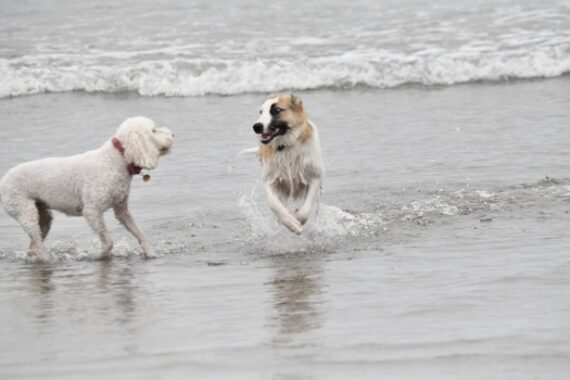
(197,77)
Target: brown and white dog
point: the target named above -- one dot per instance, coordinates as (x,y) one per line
(290,156)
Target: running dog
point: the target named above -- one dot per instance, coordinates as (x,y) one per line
(85,185)
(290,156)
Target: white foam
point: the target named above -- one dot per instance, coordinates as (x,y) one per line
(73,250)
(197,77)
(326,229)
(331,227)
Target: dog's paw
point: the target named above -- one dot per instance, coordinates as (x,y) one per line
(104,257)
(291,223)
(302,215)
(44,259)
(148,251)
(150,254)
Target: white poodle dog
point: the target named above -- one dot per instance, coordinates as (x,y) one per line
(86,184)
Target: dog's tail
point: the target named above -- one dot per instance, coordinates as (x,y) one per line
(249,151)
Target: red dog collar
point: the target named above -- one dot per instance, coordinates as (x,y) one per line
(132,168)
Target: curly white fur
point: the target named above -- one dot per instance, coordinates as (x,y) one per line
(84,185)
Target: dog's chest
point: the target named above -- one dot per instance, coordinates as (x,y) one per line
(292,168)
(107,189)
(119,190)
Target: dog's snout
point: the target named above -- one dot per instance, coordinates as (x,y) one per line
(258,128)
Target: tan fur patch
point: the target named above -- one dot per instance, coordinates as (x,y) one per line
(306,134)
(265,153)
(294,115)
(284,101)
(293,112)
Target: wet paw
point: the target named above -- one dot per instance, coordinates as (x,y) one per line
(291,223)
(148,251)
(302,216)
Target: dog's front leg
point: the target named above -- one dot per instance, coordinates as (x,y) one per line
(304,211)
(124,216)
(281,211)
(95,220)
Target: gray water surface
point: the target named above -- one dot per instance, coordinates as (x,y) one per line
(440,249)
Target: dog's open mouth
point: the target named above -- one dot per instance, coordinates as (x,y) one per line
(266,138)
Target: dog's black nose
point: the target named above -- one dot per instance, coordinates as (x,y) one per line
(258,128)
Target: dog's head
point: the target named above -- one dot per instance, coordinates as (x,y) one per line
(143,141)
(279,115)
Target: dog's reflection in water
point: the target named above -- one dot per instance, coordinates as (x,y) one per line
(297,298)
(42,286)
(103,292)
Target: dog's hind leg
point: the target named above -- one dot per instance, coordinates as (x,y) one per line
(45,219)
(27,214)
(95,220)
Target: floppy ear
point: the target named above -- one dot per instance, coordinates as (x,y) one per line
(140,150)
(296,103)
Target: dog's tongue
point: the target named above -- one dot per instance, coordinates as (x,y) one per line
(267,137)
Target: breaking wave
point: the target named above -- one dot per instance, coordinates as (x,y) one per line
(176,76)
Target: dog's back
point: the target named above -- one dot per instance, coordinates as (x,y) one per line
(58,183)
(52,181)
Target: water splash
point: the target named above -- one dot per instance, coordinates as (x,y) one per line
(330,229)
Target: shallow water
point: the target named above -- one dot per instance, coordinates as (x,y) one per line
(440,250)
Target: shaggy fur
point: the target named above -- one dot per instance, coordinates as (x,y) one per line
(84,185)
(290,155)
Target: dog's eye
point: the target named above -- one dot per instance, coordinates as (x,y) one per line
(275,110)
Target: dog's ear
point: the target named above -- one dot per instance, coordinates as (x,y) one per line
(296,103)
(140,149)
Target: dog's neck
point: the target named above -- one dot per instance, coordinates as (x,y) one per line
(293,137)
(132,168)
